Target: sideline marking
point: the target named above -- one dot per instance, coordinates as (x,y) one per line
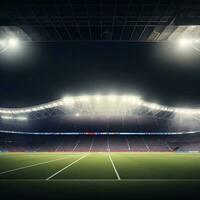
(33,165)
(108,180)
(66,167)
(116,172)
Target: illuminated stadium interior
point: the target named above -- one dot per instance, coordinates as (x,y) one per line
(100,113)
(99,99)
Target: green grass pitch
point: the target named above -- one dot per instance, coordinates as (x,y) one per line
(99,175)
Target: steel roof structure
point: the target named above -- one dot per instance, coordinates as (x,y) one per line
(100,20)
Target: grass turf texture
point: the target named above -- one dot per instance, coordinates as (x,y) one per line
(99,175)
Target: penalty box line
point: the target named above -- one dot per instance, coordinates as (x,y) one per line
(33,165)
(113,165)
(66,167)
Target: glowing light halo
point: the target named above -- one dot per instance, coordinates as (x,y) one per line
(77,114)
(68,100)
(112,98)
(97,97)
(184,42)
(187,43)
(3,46)
(108,100)
(10,117)
(13,42)
(10,43)
(83,98)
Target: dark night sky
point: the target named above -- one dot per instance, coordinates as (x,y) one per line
(49,71)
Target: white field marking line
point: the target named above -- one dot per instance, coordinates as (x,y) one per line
(113,165)
(104,180)
(66,167)
(33,165)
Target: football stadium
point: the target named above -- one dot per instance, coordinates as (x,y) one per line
(99,99)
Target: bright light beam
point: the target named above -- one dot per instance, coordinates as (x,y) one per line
(19,118)
(13,43)
(68,100)
(184,43)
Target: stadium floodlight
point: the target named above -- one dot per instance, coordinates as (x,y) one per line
(184,43)
(97,97)
(77,114)
(68,100)
(135,99)
(83,98)
(19,118)
(125,98)
(6,117)
(187,111)
(112,98)
(154,106)
(13,42)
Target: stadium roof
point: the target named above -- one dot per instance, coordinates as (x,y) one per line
(96,105)
(100,20)
(117,20)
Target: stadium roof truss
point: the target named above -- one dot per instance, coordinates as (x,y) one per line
(100,20)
